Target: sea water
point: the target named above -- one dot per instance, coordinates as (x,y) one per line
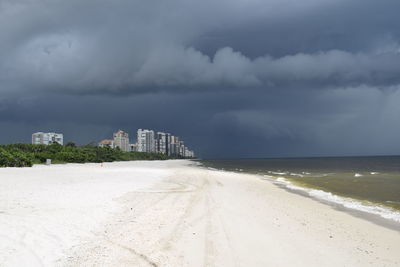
(368,184)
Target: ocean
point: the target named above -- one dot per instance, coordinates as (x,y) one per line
(367,184)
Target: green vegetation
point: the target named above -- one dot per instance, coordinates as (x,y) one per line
(25,155)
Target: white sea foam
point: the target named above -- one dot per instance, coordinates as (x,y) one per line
(349,203)
(296,174)
(358,175)
(393,202)
(373,173)
(268,176)
(279,173)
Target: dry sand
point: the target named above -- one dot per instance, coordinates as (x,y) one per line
(173,214)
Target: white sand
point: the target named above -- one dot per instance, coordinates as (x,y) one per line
(172,214)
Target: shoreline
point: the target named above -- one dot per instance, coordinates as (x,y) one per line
(303,190)
(176,213)
(374,218)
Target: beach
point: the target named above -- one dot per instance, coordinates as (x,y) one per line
(175,213)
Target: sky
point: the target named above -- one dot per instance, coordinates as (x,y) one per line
(233,78)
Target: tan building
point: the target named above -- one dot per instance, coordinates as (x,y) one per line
(134,147)
(106,143)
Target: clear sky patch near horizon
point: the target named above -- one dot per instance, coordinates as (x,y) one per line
(237,78)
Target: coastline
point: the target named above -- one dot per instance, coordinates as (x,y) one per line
(346,191)
(303,191)
(374,218)
(173,213)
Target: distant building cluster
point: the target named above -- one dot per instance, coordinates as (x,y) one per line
(149,141)
(41,138)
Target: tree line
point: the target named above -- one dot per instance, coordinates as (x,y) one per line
(25,155)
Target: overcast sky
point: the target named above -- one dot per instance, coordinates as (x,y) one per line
(233,78)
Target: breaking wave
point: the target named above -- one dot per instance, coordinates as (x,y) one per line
(384,212)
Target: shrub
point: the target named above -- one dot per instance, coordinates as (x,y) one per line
(15,159)
(21,155)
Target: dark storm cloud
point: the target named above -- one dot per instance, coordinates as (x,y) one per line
(330,122)
(352,26)
(136,46)
(250,78)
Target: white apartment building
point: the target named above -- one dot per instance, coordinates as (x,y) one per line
(121,140)
(163,143)
(41,138)
(181,150)
(188,153)
(146,141)
(174,145)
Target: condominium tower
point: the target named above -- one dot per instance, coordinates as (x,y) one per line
(162,143)
(146,141)
(121,140)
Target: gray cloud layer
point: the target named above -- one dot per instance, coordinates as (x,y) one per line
(299,77)
(131,46)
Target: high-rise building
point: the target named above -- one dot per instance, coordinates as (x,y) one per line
(163,143)
(181,148)
(150,142)
(174,145)
(146,141)
(121,140)
(41,138)
(190,154)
